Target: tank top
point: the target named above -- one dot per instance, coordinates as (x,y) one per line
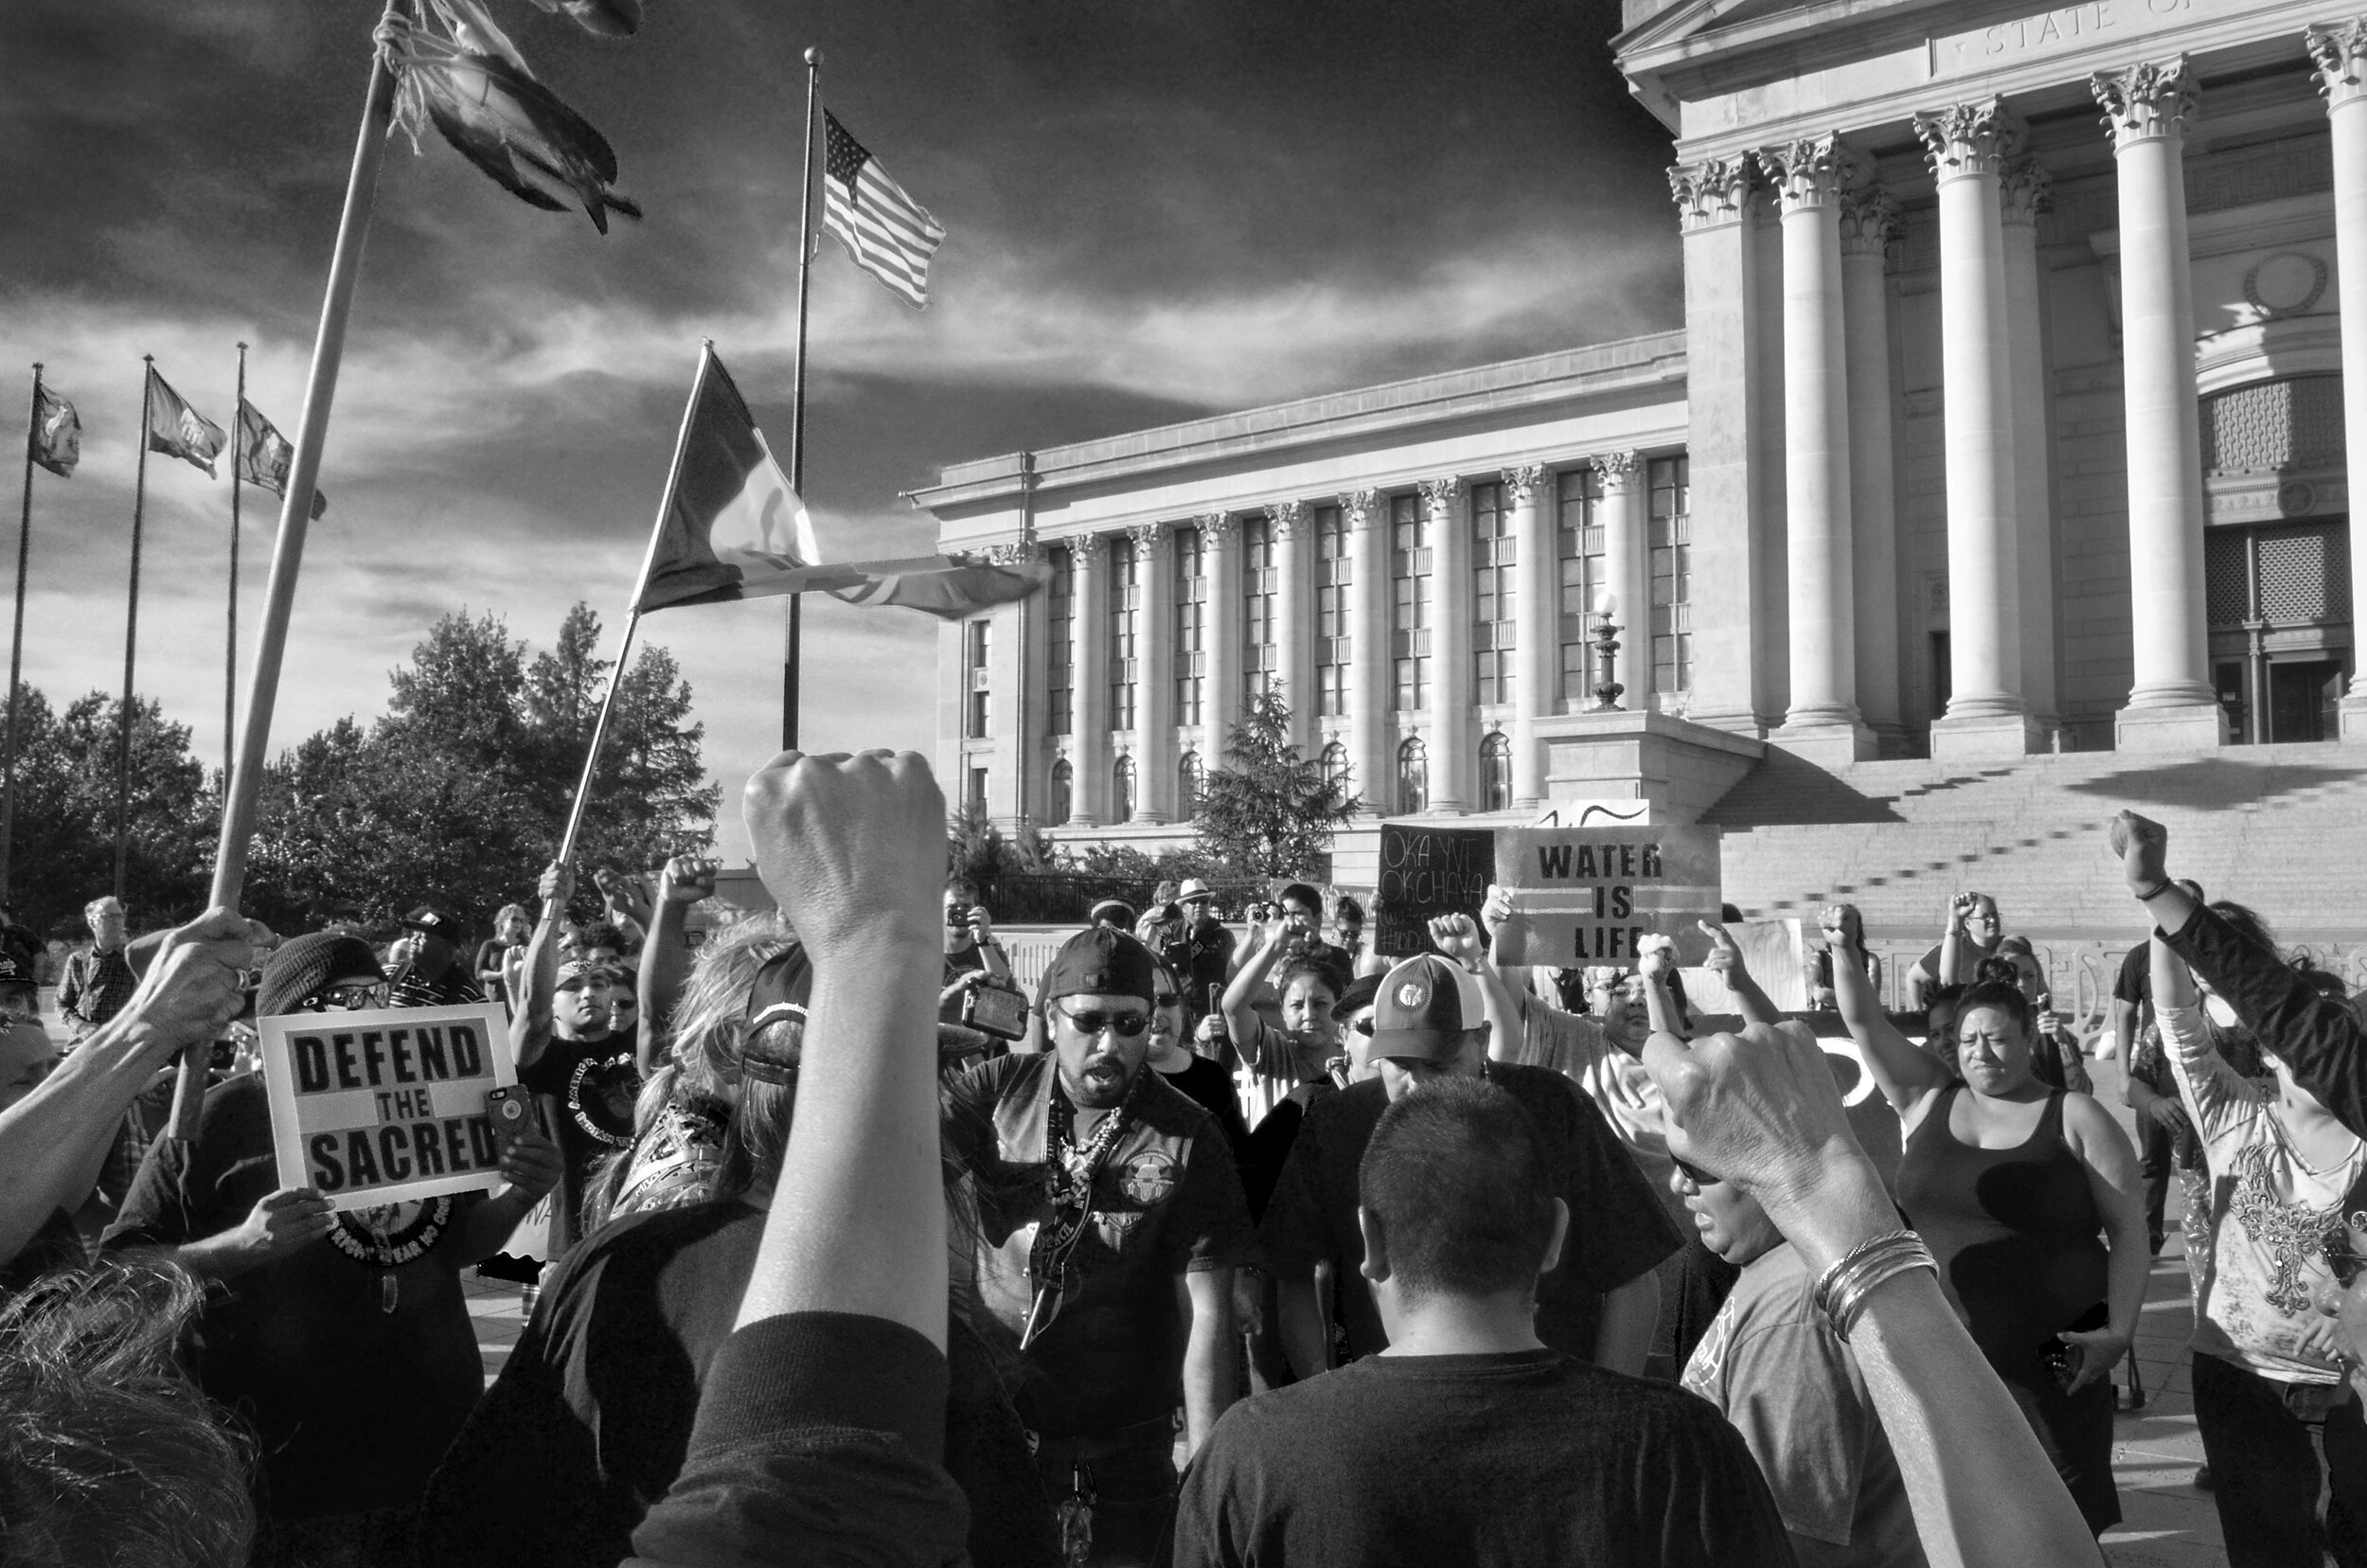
(2014,1230)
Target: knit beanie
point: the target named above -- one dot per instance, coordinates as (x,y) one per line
(307,964)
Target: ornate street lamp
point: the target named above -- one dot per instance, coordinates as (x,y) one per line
(1607,688)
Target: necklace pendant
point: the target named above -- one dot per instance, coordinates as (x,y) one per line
(389,1291)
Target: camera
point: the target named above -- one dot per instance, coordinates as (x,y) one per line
(956,915)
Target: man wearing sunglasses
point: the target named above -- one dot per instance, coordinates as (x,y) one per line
(1430,1022)
(1110,1223)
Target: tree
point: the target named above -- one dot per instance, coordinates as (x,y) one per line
(1269,810)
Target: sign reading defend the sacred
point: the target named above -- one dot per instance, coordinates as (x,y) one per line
(383,1106)
(1584,895)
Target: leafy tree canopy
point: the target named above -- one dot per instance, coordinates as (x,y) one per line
(1270,812)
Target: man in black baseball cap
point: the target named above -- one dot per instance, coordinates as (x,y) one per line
(1110,1223)
(434,977)
(1430,1022)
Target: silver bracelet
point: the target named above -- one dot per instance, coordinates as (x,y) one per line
(1841,1291)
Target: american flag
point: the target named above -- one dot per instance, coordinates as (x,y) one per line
(885,232)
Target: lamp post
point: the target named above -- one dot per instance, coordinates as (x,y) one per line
(1607,688)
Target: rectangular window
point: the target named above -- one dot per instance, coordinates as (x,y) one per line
(1334,580)
(1059,648)
(1578,552)
(1125,621)
(1409,602)
(1494,631)
(1671,541)
(976,696)
(978,787)
(1191,620)
(1260,658)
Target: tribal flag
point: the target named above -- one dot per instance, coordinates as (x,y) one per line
(57,435)
(264,456)
(734,528)
(177,430)
(886,233)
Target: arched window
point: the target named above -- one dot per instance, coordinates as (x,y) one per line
(1122,790)
(1413,776)
(1063,794)
(1187,781)
(1496,772)
(1334,763)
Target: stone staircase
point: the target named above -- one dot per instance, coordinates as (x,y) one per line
(2283,828)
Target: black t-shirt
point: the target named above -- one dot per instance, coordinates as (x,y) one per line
(1270,1143)
(2135,981)
(1618,1230)
(355,1372)
(587,1089)
(590,1421)
(1527,1458)
(1210,1087)
(454,988)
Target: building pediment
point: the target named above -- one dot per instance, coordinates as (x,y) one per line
(1698,45)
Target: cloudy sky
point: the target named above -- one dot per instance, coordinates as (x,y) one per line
(1158,209)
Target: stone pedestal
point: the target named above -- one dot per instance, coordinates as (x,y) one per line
(2186,727)
(1681,769)
(1985,738)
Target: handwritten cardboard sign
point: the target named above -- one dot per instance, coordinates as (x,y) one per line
(1427,871)
(1584,895)
(383,1106)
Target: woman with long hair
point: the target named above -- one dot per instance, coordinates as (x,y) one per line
(2011,1185)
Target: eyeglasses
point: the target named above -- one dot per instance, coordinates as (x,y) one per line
(1694,1174)
(1126,1025)
(349,996)
(1363,1026)
(1164,1000)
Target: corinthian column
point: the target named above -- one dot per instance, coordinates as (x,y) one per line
(1366,514)
(1869,228)
(1450,698)
(1968,145)
(2172,703)
(2025,190)
(1220,698)
(1536,606)
(1823,722)
(1089,796)
(1154,693)
(2341,53)
(1293,628)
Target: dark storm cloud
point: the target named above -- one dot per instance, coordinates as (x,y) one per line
(1157,210)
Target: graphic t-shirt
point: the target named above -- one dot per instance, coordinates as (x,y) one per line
(586,1089)
(2271,1214)
(1773,1368)
(1165,1203)
(353,1358)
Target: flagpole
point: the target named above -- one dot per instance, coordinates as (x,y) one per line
(130,633)
(16,641)
(633,619)
(794,635)
(295,516)
(230,658)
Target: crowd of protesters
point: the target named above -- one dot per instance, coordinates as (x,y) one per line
(841,1243)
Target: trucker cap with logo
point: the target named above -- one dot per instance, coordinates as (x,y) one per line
(1424,1007)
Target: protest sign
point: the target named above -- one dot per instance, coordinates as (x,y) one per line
(1586,896)
(1427,871)
(380,1107)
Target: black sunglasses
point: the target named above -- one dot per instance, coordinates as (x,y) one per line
(1125,1025)
(1694,1174)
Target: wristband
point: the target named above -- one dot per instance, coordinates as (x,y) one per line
(2155,891)
(1841,1291)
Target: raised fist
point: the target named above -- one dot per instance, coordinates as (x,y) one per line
(852,847)
(686,880)
(1961,907)
(1844,929)
(1496,909)
(2144,848)
(193,989)
(1457,937)
(557,884)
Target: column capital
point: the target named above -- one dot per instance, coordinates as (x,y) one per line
(1289,516)
(1969,139)
(1215,525)
(1147,535)
(1870,223)
(2147,101)
(1521,482)
(1439,495)
(1090,548)
(1359,506)
(2024,189)
(1812,172)
(1017,552)
(1714,191)
(1618,468)
(2339,51)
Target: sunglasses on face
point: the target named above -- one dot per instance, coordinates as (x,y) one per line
(1125,1025)
(1363,1026)
(1694,1174)
(351,997)
(1164,1000)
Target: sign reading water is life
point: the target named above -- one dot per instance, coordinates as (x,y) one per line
(377,1107)
(1586,896)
